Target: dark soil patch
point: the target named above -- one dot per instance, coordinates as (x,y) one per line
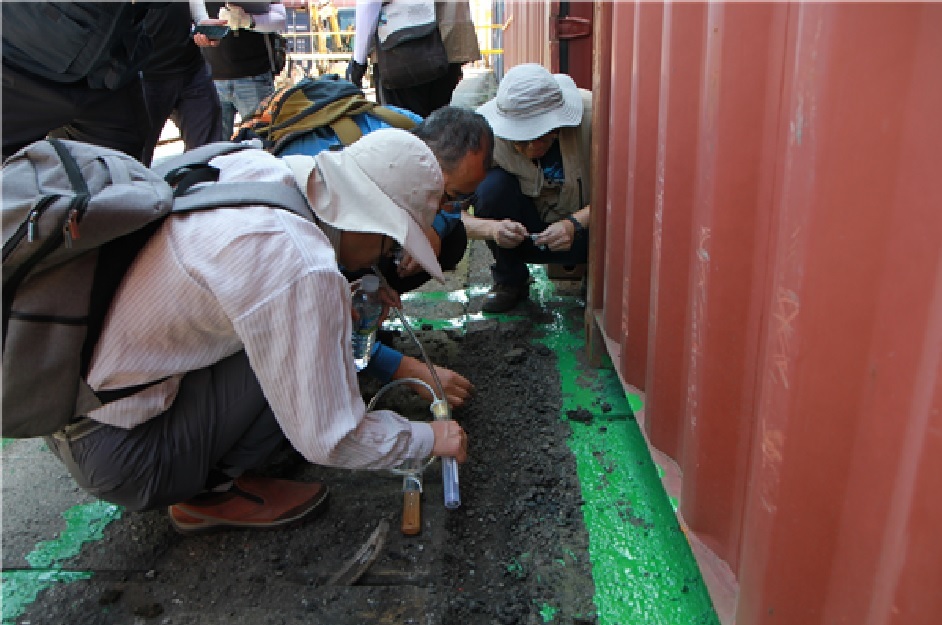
(517,550)
(514,553)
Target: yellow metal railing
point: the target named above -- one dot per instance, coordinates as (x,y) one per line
(341,48)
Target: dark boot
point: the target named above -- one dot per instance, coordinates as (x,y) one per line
(503,297)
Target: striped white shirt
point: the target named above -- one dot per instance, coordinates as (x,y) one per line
(211,283)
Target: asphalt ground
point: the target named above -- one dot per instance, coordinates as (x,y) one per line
(68,558)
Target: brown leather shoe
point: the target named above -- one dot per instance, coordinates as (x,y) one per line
(252,502)
(503,297)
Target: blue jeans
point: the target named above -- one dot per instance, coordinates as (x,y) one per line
(500,197)
(242,95)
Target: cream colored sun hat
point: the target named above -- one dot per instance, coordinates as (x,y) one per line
(388,182)
(531,102)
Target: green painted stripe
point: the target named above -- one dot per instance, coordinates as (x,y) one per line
(84,523)
(643,568)
(642,565)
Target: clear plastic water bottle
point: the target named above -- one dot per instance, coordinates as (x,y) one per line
(368,305)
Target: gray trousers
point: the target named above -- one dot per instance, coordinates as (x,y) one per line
(218,421)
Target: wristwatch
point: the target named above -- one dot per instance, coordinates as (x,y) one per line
(575,222)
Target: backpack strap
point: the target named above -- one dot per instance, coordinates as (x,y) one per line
(393,118)
(210,196)
(338,115)
(196,157)
(347,130)
(320,115)
(188,171)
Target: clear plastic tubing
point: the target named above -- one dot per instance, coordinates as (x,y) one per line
(440,410)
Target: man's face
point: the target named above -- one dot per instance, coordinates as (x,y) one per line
(538,147)
(461,182)
(362,250)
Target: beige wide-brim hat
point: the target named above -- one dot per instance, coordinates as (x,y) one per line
(388,182)
(531,102)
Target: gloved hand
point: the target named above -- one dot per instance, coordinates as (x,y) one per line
(235,16)
(355,73)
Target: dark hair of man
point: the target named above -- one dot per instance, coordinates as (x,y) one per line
(452,132)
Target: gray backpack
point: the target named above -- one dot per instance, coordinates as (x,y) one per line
(74,218)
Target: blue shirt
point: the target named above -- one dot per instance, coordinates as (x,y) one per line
(320,139)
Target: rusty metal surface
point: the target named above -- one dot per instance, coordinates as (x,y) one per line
(771,277)
(557,35)
(526,38)
(601,111)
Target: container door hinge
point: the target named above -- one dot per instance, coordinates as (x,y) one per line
(563,28)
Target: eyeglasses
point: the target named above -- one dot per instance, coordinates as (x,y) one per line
(547,138)
(455,202)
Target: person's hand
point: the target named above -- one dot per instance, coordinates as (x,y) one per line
(458,389)
(355,72)
(450,440)
(508,233)
(387,295)
(235,16)
(558,237)
(203,41)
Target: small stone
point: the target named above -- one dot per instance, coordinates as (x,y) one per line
(109,596)
(149,610)
(580,414)
(516,355)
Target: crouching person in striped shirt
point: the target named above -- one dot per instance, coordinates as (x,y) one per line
(242,318)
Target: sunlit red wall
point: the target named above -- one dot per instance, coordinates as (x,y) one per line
(537,32)
(767,272)
(526,36)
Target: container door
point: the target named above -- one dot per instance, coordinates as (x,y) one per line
(570,30)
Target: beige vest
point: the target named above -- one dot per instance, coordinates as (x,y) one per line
(575,144)
(457,29)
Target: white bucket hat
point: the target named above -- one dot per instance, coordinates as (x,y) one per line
(388,182)
(531,102)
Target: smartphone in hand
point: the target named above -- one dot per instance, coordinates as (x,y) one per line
(213,31)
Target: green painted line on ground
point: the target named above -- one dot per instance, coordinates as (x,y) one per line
(642,565)
(548,612)
(84,523)
(461,296)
